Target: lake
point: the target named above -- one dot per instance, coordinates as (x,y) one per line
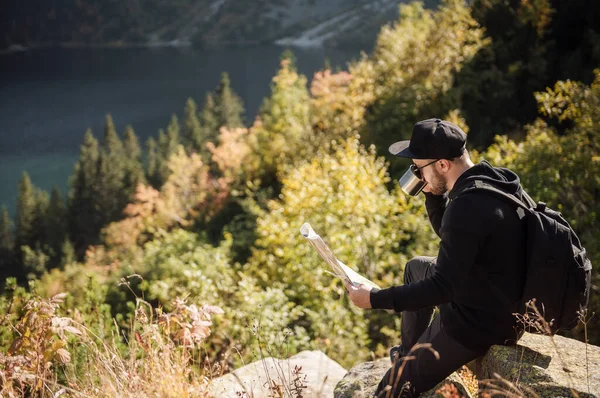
(48,98)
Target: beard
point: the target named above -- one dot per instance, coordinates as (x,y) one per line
(438,184)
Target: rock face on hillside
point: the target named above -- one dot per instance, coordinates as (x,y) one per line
(218,23)
(544,366)
(318,373)
(552,367)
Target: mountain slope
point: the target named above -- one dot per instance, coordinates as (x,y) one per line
(182,22)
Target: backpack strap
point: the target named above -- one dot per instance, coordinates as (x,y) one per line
(522,208)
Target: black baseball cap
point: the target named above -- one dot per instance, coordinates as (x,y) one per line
(432,139)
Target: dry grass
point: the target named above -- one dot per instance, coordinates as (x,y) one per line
(161,356)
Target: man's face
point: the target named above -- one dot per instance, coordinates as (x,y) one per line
(436,182)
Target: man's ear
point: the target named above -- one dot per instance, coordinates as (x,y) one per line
(444,165)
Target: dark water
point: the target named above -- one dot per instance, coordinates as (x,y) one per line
(49,97)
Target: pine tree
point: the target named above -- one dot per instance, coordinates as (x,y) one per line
(229,106)
(161,150)
(134,172)
(84,218)
(41,235)
(167,145)
(26,213)
(209,122)
(192,133)
(131,143)
(112,142)
(173,132)
(152,162)
(56,224)
(285,134)
(7,244)
(7,240)
(289,57)
(112,164)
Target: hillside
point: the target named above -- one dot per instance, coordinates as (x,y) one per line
(78,23)
(171,264)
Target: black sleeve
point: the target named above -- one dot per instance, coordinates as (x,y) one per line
(436,206)
(462,234)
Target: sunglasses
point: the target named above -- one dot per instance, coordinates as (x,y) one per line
(417,170)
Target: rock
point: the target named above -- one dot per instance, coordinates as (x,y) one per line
(361,381)
(322,374)
(550,366)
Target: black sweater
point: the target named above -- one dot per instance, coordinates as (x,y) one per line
(479,272)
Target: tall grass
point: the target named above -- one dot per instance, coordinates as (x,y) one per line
(160,355)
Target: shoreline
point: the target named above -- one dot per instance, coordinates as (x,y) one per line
(19,48)
(178,43)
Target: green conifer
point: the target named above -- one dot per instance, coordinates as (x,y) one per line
(173,132)
(84,218)
(112,165)
(56,223)
(285,135)
(209,122)
(112,142)
(229,106)
(192,133)
(167,145)
(41,235)
(131,143)
(134,171)
(7,245)
(161,162)
(152,162)
(26,213)
(7,239)
(288,55)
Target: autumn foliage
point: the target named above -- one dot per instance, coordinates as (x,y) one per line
(195,264)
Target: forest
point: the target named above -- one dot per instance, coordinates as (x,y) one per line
(185,250)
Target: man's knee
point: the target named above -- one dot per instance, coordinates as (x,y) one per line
(416,269)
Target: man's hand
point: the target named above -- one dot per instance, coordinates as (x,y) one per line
(360,295)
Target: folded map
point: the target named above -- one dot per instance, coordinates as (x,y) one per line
(339,268)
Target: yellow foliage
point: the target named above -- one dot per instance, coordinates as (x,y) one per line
(455,116)
(338,109)
(283,130)
(344,197)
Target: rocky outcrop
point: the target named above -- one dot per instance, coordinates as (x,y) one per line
(317,377)
(362,380)
(549,366)
(539,366)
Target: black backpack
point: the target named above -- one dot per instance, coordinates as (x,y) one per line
(558,274)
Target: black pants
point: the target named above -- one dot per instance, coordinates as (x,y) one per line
(424,371)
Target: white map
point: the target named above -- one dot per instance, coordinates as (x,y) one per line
(339,268)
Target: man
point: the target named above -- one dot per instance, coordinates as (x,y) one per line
(476,279)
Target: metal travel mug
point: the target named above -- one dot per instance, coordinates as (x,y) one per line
(410,183)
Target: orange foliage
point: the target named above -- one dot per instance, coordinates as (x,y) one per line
(334,102)
(232,151)
(190,194)
(330,88)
